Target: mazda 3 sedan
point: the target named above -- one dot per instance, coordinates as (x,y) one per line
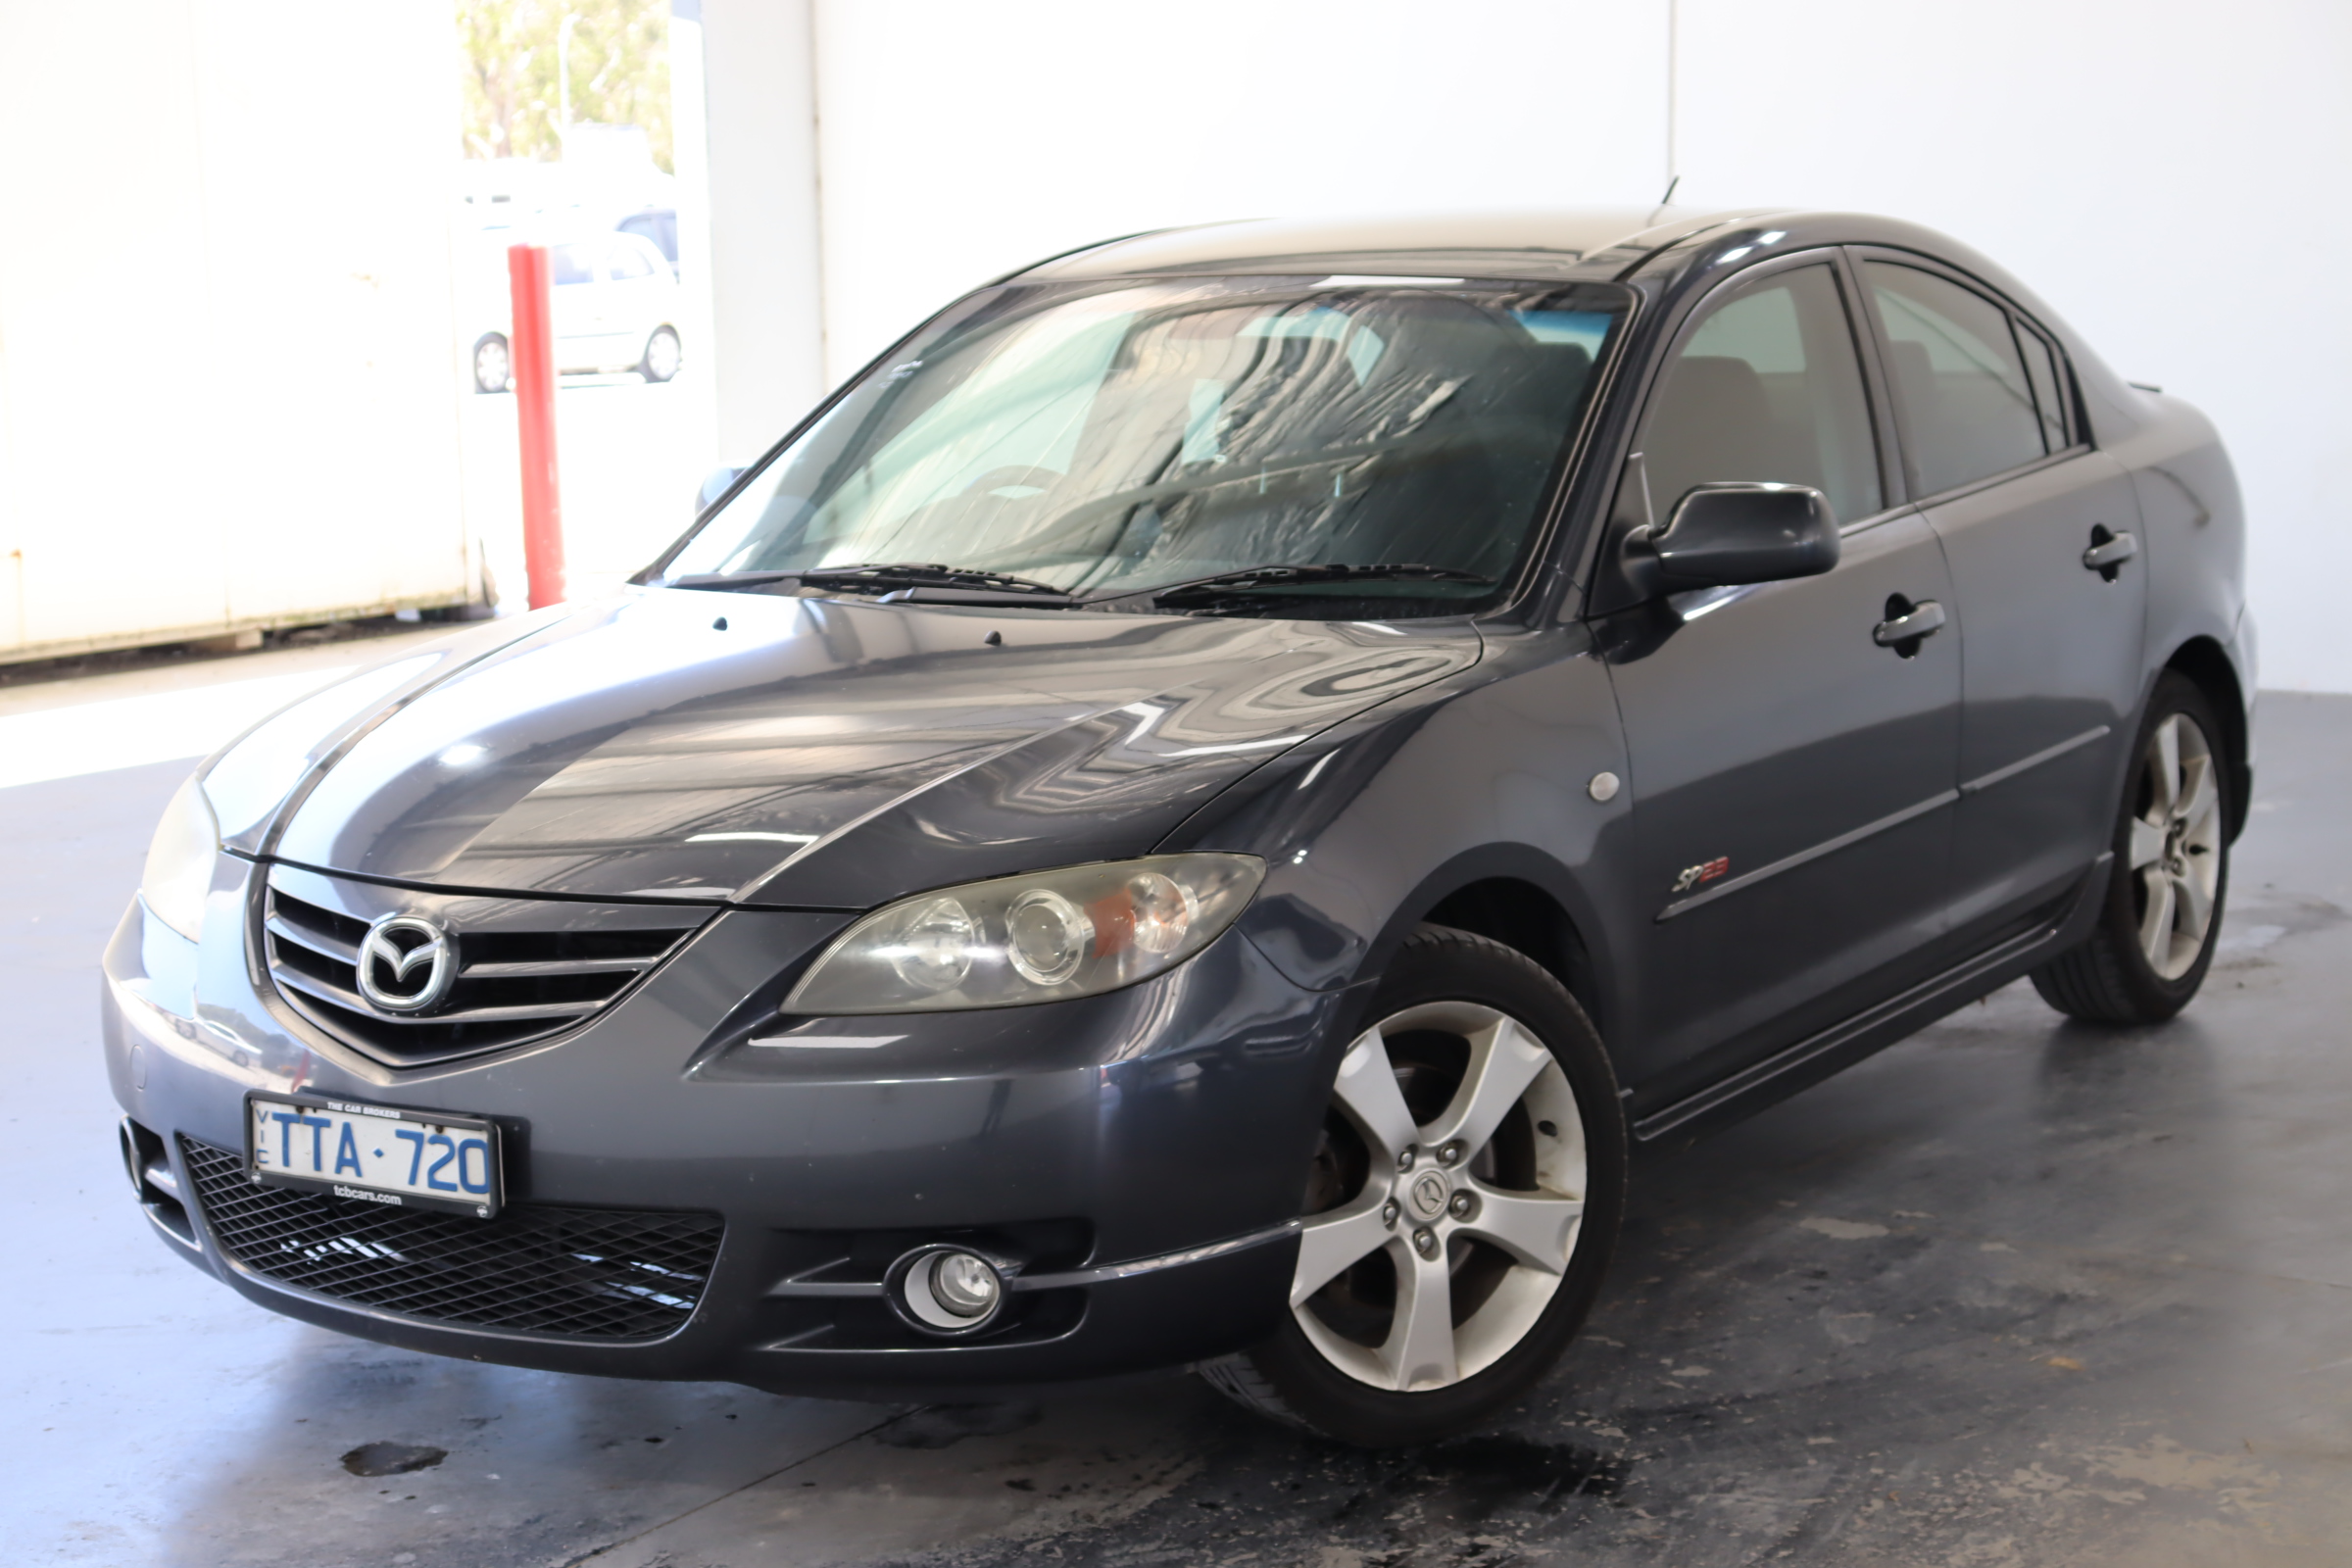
(1200,811)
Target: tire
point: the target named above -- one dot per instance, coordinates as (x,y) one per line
(2150,950)
(661,356)
(493,363)
(1473,1038)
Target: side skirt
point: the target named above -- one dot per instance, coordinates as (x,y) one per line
(1809,1062)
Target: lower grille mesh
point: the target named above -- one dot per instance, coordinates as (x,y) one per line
(584,1273)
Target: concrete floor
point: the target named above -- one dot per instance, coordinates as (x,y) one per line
(2011,1293)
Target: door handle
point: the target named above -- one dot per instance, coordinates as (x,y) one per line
(2108,550)
(1907,625)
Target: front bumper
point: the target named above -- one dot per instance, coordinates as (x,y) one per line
(1138,1155)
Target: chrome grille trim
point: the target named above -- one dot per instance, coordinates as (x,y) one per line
(316,942)
(527,968)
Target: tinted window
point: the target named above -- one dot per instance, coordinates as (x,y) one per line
(1767,389)
(628,262)
(571,264)
(1958,374)
(659,227)
(2042,368)
(1117,436)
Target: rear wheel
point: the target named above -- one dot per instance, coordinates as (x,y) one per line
(661,356)
(1460,1209)
(493,365)
(2163,912)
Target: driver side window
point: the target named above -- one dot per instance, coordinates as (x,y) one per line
(1767,389)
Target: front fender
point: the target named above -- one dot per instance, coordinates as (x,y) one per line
(1476,780)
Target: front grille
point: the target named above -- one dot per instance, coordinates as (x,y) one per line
(578,1273)
(526,968)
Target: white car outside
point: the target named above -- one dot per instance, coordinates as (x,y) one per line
(614,304)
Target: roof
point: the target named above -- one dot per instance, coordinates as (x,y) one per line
(1530,242)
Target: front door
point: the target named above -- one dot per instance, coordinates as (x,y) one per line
(2040,532)
(1792,776)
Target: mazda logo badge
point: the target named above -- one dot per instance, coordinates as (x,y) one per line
(395,947)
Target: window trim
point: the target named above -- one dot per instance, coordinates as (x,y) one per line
(1597,581)
(2071,392)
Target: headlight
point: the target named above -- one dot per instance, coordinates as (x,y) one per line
(179,863)
(1022,939)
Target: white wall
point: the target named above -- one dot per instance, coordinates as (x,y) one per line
(2166,173)
(226,374)
(756,212)
(959,142)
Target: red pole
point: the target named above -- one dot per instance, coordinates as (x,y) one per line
(533,352)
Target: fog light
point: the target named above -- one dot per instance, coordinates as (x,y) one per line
(964,1285)
(946,1290)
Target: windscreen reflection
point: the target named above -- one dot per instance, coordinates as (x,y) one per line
(1112,439)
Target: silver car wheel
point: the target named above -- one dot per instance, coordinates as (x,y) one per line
(493,365)
(661,356)
(1463,1223)
(2176,843)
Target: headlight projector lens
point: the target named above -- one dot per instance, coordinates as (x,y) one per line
(1047,937)
(946,1290)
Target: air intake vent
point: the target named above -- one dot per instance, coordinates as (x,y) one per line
(526,967)
(578,1273)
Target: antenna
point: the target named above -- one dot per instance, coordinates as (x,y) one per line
(1667,200)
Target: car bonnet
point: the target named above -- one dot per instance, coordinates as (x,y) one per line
(820,753)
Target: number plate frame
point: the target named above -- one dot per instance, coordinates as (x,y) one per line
(432,1123)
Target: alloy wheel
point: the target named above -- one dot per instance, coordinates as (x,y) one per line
(2175,846)
(493,369)
(662,354)
(1445,1202)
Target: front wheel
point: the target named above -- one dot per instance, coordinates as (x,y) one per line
(1460,1209)
(2155,937)
(661,356)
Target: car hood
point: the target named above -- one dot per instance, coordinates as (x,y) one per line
(818,753)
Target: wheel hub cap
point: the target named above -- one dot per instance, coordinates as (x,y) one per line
(1428,1194)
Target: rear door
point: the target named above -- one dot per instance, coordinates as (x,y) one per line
(2041,532)
(1791,777)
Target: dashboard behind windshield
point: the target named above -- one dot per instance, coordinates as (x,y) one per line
(1111,438)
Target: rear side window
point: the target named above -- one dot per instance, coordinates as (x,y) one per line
(2042,368)
(573,264)
(628,262)
(1767,389)
(1968,405)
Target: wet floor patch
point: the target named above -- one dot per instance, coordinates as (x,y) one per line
(391,1458)
(1272,1496)
(941,1425)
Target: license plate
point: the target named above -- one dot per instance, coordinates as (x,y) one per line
(373,1153)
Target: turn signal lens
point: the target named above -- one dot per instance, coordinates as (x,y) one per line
(1074,932)
(1160,909)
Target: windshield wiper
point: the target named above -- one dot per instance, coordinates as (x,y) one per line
(1280,578)
(899,582)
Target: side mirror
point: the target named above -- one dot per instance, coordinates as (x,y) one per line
(1726,535)
(714,486)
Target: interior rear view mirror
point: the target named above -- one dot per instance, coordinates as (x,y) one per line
(1725,535)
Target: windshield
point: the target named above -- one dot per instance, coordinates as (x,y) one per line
(1113,438)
